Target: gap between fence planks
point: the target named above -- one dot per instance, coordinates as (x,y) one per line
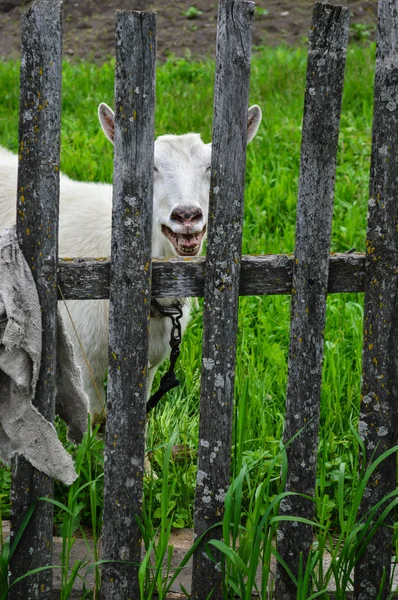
(322,105)
(268,274)
(37,229)
(378,416)
(221,292)
(130,300)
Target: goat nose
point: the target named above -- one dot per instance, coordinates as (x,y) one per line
(186,214)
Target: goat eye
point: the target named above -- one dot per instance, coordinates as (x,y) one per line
(208,170)
(155,170)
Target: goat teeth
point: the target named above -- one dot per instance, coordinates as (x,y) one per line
(190,250)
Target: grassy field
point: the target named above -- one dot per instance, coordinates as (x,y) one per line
(184,103)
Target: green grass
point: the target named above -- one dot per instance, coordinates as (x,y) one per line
(184,103)
(244,548)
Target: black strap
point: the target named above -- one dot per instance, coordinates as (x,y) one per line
(169,379)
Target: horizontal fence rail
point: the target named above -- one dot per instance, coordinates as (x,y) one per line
(262,275)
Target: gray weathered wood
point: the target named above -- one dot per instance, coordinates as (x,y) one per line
(379,394)
(130,295)
(37,228)
(324,87)
(268,274)
(221,292)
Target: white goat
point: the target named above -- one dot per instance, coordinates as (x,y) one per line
(180,208)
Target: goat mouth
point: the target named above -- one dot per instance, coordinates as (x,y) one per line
(186,244)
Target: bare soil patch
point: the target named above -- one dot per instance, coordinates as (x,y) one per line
(185,27)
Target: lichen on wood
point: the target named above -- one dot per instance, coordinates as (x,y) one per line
(221,292)
(268,274)
(37,229)
(130,295)
(324,86)
(378,416)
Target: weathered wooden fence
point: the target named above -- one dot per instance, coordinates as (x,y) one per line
(37,229)
(220,277)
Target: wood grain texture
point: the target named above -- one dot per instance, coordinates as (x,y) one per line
(221,293)
(37,229)
(130,296)
(322,106)
(378,414)
(261,275)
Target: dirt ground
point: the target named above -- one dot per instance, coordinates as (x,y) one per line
(185,27)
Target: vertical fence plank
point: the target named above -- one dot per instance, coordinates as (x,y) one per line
(130,295)
(222,279)
(378,416)
(324,86)
(37,228)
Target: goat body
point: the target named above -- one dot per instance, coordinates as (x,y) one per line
(180,210)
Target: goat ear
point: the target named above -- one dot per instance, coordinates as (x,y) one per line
(253,121)
(107,119)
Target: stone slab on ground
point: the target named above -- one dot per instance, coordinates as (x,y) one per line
(180,539)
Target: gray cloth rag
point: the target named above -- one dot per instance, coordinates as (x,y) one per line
(23,430)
